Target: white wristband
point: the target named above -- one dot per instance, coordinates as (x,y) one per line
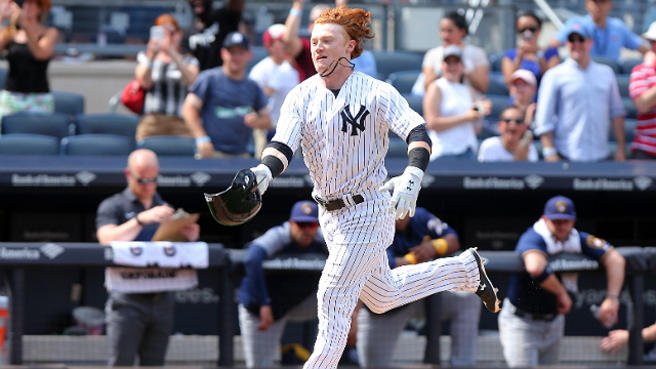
(549,151)
(293,12)
(202,140)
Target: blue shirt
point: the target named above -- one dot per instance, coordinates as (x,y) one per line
(524,292)
(423,223)
(578,105)
(282,291)
(532,65)
(225,103)
(606,42)
(366,63)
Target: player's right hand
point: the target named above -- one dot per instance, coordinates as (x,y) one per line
(263,176)
(405,191)
(266,318)
(204,150)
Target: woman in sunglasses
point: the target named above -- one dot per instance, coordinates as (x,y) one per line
(528,54)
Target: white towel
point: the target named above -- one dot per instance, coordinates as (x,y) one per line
(161,253)
(147,280)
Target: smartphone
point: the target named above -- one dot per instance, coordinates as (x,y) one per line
(157,33)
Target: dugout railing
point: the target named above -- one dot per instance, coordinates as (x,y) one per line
(17,259)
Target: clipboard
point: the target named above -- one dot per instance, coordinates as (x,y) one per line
(170,230)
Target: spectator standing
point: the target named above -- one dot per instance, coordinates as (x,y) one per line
(452,111)
(528,55)
(165,74)
(642,88)
(609,35)
(268,301)
(515,142)
(138,324)
(532,321)
(522,89)
(578,100)
(453,30)
(275,76)
(29,46)
(418,239)
(223,106)
(210,28)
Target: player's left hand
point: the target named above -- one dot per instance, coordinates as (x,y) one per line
(263,176)
(266,318)
(405,191)
(608,311)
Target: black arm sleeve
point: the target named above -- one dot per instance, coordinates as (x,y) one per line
(275,164)
(419,156)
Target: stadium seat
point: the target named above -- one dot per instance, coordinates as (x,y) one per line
(623,84)
(169,145)
(69,103)
(49,124)
(28,144)
(259,53)
(96,144)
(415,102)
(396,61)
(108,123)
(499,102)
(3,77)
(497,84)
(627,65)
(397,147)
(629,106)
(495,61)
(615,66)
(403,80)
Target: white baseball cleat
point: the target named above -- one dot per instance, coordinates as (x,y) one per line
(486,290)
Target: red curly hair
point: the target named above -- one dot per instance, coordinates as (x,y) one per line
(356,22)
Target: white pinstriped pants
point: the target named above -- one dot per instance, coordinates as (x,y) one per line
(357,267)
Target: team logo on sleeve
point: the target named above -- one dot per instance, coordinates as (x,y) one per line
(596,242)
(357,122)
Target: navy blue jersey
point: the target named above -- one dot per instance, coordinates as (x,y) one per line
(523,291)
(281,290)
(423,223)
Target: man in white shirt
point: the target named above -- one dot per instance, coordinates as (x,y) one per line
(515,141)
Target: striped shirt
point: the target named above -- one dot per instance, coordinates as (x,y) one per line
(168,92)
(345,138)
(643,77)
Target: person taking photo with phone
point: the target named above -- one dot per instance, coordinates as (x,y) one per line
(29,44)
(165,73)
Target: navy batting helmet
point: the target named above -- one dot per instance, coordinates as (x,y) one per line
(238,203)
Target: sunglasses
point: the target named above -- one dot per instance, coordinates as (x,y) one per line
(144,180)
(574,38)
(310,225)
(509,120)
(531,29)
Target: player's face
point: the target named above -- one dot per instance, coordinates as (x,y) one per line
(560,228)
(303,233)
(329,43)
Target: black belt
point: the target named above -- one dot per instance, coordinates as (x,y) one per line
(337,204)
(535,316)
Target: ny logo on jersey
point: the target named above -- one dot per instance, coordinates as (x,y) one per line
(356,122)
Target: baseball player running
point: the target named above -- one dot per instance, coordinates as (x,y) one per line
(341,118)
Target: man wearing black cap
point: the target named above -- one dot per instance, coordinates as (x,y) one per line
(578,101)
(266,303)
(223,105)
(532,321)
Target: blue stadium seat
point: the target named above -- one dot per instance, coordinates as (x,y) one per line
(623,84)
(3,77)
(397,147)
(28,144)
(49,124)
(499,102)
(395,61)
(96,144)
(615,66)
(629,106)
(109,123)
(627,65)
(415,102)
(497,84)
(403,80)
(495,61)
(69,103)
(259,53)
(169,145)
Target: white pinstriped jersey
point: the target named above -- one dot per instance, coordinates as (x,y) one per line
(345,138)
